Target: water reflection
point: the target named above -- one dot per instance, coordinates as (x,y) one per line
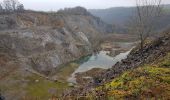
(98,60)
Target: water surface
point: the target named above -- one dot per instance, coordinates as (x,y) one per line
(100,60)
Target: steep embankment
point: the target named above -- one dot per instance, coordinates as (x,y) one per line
(46,40)
(137,77)
(147,81)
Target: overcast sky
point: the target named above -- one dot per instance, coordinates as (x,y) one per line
(48,5)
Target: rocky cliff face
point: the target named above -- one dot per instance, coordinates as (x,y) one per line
(43,41)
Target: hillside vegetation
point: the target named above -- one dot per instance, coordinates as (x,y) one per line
(150,81)
(120,17)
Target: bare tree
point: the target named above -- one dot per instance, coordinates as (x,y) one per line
(7,6)
(20,8)
(12,6)
(147,14)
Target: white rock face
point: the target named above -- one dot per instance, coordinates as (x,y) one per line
(83,36)
(49,41)
(45,50)
(74,50)
(45,38)
(55,60)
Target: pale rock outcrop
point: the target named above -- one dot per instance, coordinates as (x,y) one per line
(44,41)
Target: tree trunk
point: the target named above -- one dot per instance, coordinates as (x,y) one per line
(141,45)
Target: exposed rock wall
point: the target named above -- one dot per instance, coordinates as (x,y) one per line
(44,41)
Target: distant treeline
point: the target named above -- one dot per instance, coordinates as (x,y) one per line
(10,6)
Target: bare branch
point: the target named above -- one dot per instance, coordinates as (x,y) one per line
(147,13)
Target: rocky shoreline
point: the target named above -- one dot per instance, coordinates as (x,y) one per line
(157,48)
(154,50)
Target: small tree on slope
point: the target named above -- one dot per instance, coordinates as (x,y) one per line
(143,23)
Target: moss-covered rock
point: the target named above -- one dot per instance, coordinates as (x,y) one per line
(149,81)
